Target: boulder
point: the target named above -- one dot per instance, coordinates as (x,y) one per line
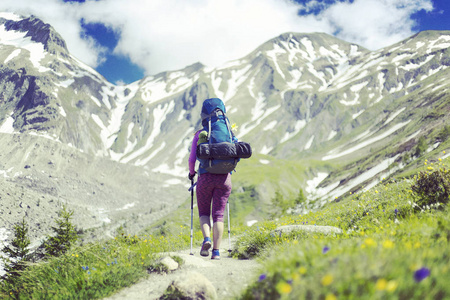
(169,263)
(190,285)
(308,228)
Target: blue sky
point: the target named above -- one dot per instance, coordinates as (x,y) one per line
(125,40)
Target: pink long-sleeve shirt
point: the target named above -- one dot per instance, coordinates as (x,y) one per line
(193,154)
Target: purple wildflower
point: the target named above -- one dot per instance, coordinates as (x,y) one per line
(325,249)
(262,277)
(421,274)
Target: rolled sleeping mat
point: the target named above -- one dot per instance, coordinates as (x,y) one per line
(224,150)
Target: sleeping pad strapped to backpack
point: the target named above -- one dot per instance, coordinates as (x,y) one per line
(220,152)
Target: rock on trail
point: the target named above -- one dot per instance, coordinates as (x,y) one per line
(229,276)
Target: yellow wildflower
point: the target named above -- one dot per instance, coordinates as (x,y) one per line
(370,242)
(302,270)
(327,280)
(330,297)
(388,244)
(391,286)
(381,284)
(284,288)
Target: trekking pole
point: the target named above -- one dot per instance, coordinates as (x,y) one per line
(229,228)
(192,212)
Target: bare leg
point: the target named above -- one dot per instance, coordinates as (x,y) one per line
(217,234)
(205,224)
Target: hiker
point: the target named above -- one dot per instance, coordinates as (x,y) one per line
(213,190)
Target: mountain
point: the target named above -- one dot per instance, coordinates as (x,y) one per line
(321,114)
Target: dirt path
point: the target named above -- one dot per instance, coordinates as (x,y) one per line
(229,276)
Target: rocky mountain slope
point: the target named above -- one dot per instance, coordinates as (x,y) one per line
(321,114)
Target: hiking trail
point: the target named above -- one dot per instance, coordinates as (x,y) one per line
(229,276)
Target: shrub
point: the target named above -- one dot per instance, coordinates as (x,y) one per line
(17,253)
(301,198)
(66,235)
(445,133)
(432,187)
(421,146)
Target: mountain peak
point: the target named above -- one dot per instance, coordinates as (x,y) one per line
(38,31)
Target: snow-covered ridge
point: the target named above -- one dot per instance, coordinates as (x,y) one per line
(10,16)
(17,39)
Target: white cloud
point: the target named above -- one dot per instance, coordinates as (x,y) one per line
(161,35)
(374,23)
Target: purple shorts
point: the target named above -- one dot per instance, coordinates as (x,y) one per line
(215,188)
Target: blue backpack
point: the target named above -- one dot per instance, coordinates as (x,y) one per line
(218,130)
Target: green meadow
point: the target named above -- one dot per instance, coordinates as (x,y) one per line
(394,245)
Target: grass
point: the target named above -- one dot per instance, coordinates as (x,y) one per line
(390,249)
(93,271)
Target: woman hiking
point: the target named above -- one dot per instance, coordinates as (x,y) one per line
(214,180)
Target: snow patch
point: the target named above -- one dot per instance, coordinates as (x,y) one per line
(409,67)
(309,48)
(332,134)
(158,89)
(266,150)
(62,111)
(153,154)
(173,181)
(270,126)
(96,101)
(420,45)
(65,84)
(273,55)
(354,50)
(10,16)
(45,135)
(309,143)
(5,172)
(7,126)
(247,127)
(127,206)
(363,177)
(299,125)
(368,142)
(166,169)
(394,115)
(354,116)
(13,54)
(237,78)
(313,183)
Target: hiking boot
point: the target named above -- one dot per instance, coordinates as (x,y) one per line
(205,247)
(215,254)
